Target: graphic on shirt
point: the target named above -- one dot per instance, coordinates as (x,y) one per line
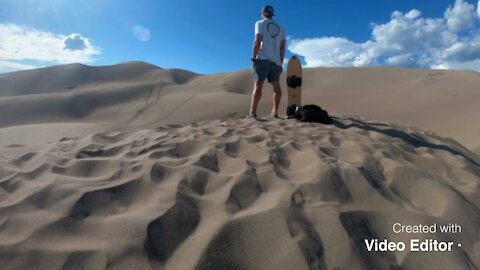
(273,29)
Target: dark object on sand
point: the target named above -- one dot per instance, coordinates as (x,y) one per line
(311,113)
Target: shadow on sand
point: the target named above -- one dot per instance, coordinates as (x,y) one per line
(411,139)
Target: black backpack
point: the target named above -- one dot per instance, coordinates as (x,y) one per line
(312,113)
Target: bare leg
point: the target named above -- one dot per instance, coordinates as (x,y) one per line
(256,96)
(277,96)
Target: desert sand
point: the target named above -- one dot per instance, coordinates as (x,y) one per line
(136,167)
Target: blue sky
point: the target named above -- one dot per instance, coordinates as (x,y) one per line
(215,36)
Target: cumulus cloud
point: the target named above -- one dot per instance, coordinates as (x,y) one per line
(461,16)
(21,43)
(407,39)
(9,66)
(329,51)
(141,33)
(473,65)
(464,51)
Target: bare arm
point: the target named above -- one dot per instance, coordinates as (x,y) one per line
(256,45)
(282,52)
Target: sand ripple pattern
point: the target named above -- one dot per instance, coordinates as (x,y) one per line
(238,194)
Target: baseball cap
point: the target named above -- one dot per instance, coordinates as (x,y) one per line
(267,9)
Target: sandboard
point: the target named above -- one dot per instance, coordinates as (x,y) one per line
(294,83)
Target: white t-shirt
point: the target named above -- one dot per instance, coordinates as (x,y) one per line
(273,34)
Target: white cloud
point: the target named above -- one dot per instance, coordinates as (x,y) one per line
(18,43)
(471,65)
(328,51)
(478,8)
(463,51)
(413,14)
(407,39)
(460,17)
(404,33)
(8,66)
(400,60)
(141,33)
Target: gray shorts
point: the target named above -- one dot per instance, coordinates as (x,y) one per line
(265,69)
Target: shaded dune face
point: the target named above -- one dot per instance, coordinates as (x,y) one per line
(72,93)
(179,221)
(238,194)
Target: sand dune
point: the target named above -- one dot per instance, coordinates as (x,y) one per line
(237,194)
(136,167)
(137,94)
(75,77)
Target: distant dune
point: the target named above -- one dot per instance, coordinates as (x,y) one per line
(136,167)
(138,94)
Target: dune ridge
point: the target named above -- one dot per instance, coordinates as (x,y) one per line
(75,77)
(136,95)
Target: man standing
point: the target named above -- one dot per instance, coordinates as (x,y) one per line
(267,59)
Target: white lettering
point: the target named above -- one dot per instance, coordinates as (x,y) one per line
(430,245)
(414,245)
(369,245)
(384,245)
(399,228)
(396,225)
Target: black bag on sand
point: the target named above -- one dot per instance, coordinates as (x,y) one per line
(312,113)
